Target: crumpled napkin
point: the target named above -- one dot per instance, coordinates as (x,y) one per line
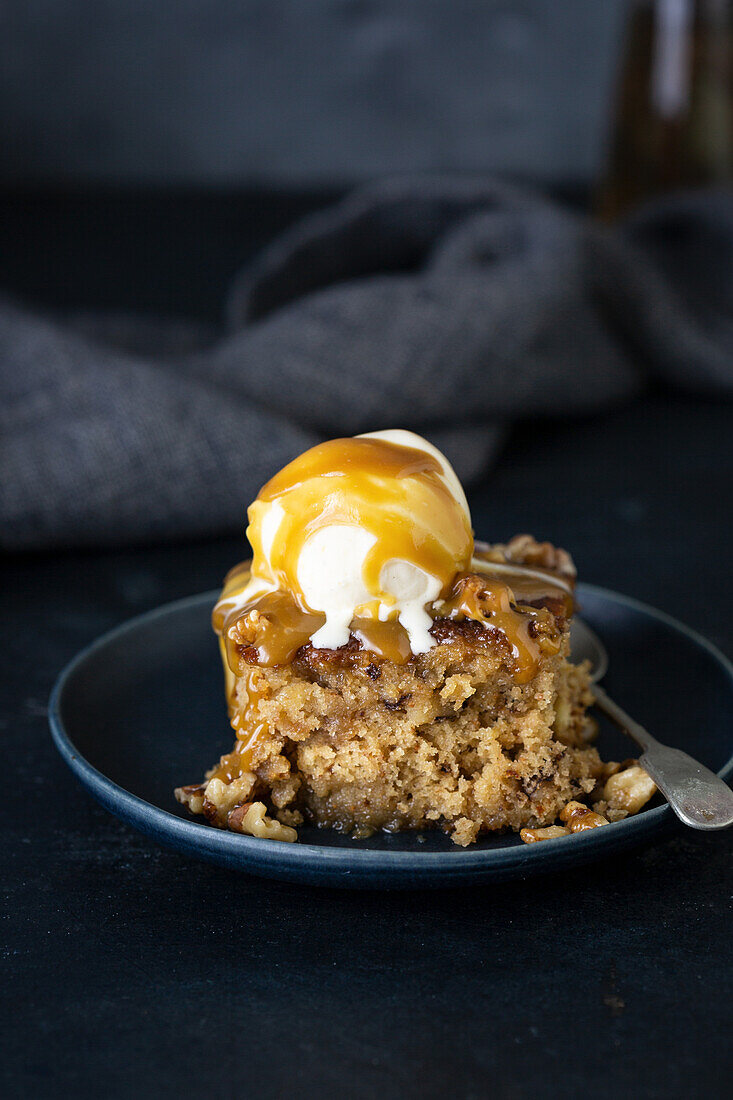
(448,305)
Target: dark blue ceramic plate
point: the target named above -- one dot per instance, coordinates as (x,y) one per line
(141,711)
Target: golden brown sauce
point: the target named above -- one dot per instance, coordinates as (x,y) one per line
(275,627)
(396,493)
(530,586)
(235,582)
(389,641)
(495,605)
(247,725)
(278,627)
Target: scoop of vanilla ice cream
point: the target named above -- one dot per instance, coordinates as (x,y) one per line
(375,532)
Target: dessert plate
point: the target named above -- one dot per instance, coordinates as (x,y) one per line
(138,713)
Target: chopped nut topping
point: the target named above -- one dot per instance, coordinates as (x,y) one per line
(629,790)
(192,797)
(612,767)
(250,818)
(531,836)
(216,798)
(578,817)
(525,550)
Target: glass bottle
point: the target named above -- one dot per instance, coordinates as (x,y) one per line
(673,125)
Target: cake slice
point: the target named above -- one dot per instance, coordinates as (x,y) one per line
(383,672)
(461,737)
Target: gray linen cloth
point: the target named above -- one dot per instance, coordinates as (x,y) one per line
(448,305)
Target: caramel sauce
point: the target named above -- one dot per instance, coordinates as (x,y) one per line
(247,725)
(277,626)
(397,493)
(494,604)
(532,586)
(388,640)
(272,627)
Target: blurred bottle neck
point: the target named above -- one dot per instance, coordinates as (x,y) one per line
(673,118)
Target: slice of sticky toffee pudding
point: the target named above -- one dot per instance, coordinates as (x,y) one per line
(382,672)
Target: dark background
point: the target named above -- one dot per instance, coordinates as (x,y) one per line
(149,150)
(303,92)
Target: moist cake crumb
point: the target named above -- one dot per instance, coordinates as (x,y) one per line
(449,739)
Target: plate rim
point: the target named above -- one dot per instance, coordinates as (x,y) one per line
(253,853)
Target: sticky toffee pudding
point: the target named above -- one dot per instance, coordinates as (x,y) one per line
(383,672)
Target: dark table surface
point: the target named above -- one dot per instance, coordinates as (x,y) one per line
(133,971)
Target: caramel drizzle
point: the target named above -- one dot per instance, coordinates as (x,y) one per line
(246,723)
(396,493)
(497,609)
(276,627)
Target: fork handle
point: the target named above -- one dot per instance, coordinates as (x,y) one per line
(699,797)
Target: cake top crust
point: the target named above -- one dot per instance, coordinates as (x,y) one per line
(499,601)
